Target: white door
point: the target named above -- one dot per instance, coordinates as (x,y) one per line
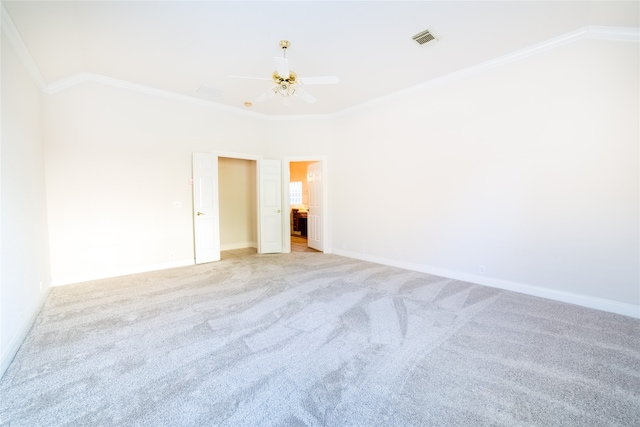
(206,222)
(314,217)
(270,203)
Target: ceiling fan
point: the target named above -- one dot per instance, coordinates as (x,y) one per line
(287,83)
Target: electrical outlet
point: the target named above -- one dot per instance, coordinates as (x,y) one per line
(482,269)
(172,255)
(177,205)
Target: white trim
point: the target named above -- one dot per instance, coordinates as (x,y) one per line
(618,34)
(568,297)
(76,79)
(67,82)
(79,278)
(14,37)
(18,339)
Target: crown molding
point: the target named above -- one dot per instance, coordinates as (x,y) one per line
(618,34)
(76,79)
(14,37)
(80,78)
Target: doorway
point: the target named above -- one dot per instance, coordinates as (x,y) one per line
(305,197)
(237,204)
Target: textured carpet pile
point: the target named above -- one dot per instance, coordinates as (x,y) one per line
(307,339)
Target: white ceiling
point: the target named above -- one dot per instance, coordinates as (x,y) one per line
(179,46)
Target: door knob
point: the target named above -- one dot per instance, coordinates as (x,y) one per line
(200,213)
(278,211)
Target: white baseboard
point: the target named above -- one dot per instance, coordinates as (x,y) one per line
(68,280)
(568,297)
(16,342)
(238,245)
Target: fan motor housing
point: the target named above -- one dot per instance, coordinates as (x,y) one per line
(278,79)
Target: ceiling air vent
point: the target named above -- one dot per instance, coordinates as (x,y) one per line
(424,37)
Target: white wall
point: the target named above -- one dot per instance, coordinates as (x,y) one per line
(300,137)
(116,163)
(530,169)
(237,200)
(24,252)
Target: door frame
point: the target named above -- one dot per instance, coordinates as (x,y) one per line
(239,156)
(286,206)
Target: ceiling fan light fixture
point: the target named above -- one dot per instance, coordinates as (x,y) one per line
(284,88)
(286,83)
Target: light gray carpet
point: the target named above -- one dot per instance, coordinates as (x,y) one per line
(307,339)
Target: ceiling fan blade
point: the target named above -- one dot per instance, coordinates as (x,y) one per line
(322,80)
(305,96)
(268,94)
(252,78)
(282,66)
